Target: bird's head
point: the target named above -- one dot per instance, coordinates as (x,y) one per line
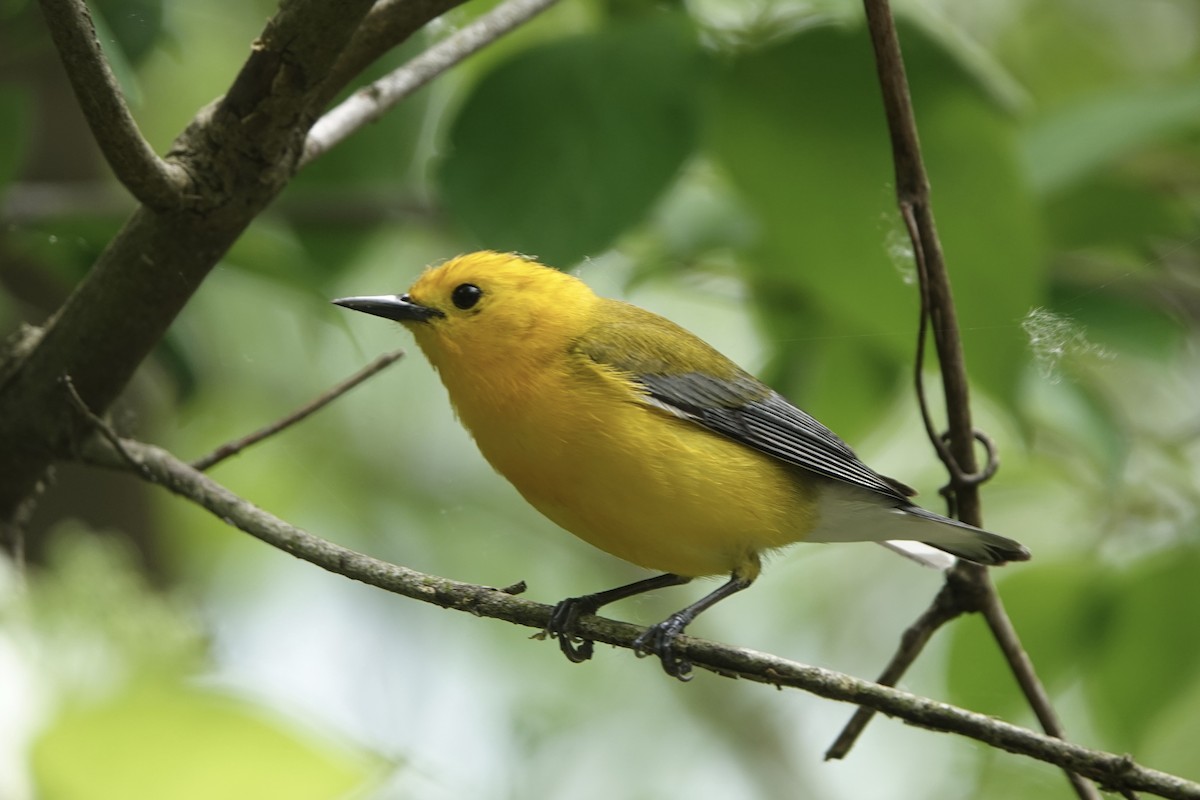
(485,307)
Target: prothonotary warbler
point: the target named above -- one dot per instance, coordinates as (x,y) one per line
(636,436)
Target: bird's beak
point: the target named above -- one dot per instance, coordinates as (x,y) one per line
(400,308)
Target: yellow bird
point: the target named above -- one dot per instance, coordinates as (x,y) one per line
(641,439)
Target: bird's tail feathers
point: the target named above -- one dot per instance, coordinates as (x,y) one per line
(848,514)
(968,542)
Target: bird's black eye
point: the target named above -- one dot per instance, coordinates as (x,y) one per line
(466,295)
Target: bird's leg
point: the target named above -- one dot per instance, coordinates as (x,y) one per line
(659,639)
(567,612)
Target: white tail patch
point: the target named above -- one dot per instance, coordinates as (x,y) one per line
(847,513)
(921,553)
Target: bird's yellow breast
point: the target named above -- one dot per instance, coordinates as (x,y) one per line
(584,448)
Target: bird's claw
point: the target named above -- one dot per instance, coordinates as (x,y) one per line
(576,650)
(562,627)
(659,640)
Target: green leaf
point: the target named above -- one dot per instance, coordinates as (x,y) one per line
(562,148)
(986,217)
(163,740)
(135,25)
(800,130)
(809,156)
(1077,141)
(1115,213)
(1151,650)
(1121,315)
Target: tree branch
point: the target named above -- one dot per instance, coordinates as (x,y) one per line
(389,23)
(160,467)
(158,183)
(958,453)
(912,192)
(240,152)
(372,102)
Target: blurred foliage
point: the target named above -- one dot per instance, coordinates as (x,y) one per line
(724,163)
(127,720)
(616,112)
(14,130)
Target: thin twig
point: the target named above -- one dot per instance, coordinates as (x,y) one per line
(912,194)
(389,23)
(962,593)
(162,468)
(939,442)
(158,183)
(372,102)
(97,424)
(325,398)
(958,453)
(945,607)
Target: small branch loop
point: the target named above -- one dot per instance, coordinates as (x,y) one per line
(960,478)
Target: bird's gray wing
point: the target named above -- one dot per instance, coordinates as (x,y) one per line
(767,423)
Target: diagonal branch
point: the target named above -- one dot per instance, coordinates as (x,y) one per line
(1022,667)
(937,301)
(946,606)
(159,466)
(372,102)
(158,183)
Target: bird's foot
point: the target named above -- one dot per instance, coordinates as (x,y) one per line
(659,640)
(562,627)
